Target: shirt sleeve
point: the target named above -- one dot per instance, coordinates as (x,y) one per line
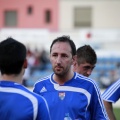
(43,110)
(97,108)
(112,93)
(37,87)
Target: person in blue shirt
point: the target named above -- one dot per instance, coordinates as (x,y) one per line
(86,59)
(110,96)
(70,96)
(16,101)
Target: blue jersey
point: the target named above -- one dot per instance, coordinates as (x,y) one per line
(78,99)
(18,103)
(112,93)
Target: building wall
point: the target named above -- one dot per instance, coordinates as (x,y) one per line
(105,16)
(35,20)
(105,13)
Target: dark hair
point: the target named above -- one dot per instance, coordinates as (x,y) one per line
(12,56)
(86,54)
(65,39)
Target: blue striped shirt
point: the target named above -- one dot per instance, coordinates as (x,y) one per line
(78,99)
(18,103)
(112,93)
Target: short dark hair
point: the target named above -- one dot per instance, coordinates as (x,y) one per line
(86,54)
(65,39)
(12,56)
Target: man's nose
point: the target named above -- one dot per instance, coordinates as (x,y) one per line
(89,71)
(58,60)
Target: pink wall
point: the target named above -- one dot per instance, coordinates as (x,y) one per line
(36,20)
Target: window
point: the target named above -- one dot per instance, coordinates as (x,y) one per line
(10,18)
(47,16)
(29,10)
(82,16)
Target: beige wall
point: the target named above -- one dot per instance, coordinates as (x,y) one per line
(105,13)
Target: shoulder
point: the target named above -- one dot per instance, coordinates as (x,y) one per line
(39,105)
(112,90)
(86,80)
(43,80)
(88,84)
(33,97)
(114,87)
(39,85)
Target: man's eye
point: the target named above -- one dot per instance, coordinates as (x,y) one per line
(54,55)
(88,67)
(64,56)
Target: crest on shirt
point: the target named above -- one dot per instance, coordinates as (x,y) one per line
(61,95)
(67,117)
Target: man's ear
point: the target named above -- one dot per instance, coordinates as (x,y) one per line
(25,63)
(74,59)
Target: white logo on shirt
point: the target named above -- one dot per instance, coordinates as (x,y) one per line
(43,89)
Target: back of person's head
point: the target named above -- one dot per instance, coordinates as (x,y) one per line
(12,56)
(65,39)
(86,54)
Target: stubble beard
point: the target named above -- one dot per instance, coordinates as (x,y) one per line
(62,73)
(58,73)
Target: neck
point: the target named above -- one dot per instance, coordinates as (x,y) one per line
(13,77)
(64,78)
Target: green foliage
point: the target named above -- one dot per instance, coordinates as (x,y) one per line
(117,113)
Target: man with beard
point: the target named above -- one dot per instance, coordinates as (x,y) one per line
(70,96)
